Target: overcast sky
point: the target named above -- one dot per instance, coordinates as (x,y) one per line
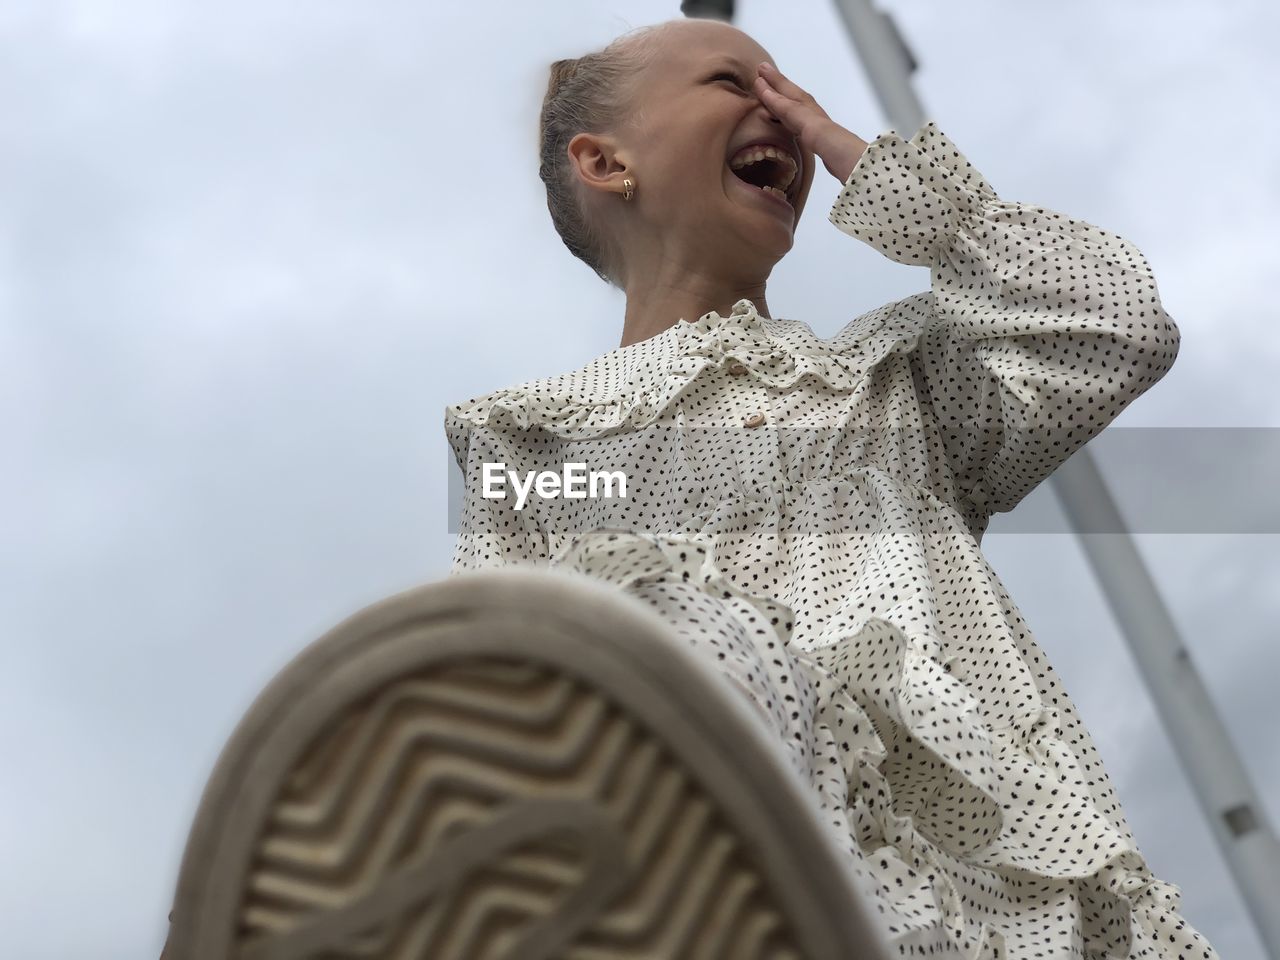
(250,249)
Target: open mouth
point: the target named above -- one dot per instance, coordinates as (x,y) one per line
(769,169)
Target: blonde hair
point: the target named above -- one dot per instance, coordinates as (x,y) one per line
(594,93)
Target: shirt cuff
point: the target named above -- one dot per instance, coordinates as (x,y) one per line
(908,198)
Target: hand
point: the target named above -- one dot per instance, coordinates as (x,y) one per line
(837,148)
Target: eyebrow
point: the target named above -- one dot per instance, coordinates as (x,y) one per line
(721,59)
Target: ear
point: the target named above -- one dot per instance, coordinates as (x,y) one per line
(597,161)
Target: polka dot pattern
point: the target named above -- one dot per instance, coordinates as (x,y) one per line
(807,513)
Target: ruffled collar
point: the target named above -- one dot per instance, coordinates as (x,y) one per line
(741,334)
(711,334)
(631,386)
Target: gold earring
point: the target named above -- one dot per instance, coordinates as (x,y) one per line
(628,189)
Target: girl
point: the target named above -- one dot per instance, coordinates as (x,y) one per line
(789,606)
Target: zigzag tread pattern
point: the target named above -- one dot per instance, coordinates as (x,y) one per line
(431,757)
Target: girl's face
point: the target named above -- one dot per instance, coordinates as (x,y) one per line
(696,110)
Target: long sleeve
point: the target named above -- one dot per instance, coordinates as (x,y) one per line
(491,533)
(1043,328)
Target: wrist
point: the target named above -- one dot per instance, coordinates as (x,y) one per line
(840,150)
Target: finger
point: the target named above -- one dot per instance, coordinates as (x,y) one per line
(773,96)
(778,105)
(777,79)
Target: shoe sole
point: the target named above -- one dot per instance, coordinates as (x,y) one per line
(519,764)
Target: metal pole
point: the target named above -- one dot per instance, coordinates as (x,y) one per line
(708,9)
(1209,758)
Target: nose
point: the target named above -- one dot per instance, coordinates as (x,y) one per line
(768,114)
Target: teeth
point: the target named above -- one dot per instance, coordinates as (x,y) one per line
(756,154)
(776,191)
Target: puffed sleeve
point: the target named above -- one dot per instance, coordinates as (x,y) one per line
(491,532)
(1042,329)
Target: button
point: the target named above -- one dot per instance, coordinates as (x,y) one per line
(737,369)
(754,420)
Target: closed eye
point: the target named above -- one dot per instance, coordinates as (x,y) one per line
(725,74)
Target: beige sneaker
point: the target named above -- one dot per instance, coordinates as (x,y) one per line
(520,764)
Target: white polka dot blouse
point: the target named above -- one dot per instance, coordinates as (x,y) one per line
(807,513)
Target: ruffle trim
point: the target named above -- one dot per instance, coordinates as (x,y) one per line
(625,558)
(965,762)
(687,352)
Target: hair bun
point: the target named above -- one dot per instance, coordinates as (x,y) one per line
(592,93)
